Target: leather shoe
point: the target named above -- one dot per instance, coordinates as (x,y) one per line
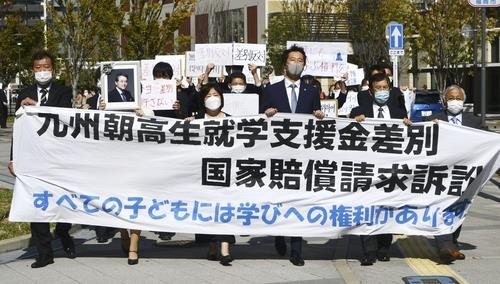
(280,245)
(447,256)
(42,262)
(226,260)
(383,256)
(458,255)
(297,259)
(101,239)
(368,260)
(70,252)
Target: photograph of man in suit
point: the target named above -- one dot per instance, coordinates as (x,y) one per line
(453,100)
(383,105)
(120,92)
(291,95)
(46,93)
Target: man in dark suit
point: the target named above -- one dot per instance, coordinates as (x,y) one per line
(120,92)
(384,105)
(46,93)
(291,96)
(453,99)
(364,96)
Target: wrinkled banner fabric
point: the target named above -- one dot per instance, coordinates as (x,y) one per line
(288,175)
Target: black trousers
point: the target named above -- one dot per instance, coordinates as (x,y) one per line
(295,243)
(3,115)
(40,233)
(448,241)
(376,244)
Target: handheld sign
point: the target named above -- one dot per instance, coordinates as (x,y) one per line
(158,94)
(241,104)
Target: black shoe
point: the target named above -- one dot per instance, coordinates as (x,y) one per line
(42,262)
(102,239)
(165,236)
(132,261)
(226,260)
(212,257)
(368,260)
(280,245)
(297,259)
(383,256)
(70,252)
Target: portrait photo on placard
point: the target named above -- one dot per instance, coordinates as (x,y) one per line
(121,87)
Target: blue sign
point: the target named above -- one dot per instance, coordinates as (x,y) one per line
(484,3)
(396,36)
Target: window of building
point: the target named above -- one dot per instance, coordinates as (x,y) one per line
(228,26)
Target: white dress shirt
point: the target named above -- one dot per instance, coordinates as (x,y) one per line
(385,111)
(289,90)
(458,118)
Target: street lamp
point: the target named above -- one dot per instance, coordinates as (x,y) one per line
(19,44)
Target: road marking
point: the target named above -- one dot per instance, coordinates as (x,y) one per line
(419,256)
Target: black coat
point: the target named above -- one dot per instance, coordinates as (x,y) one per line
(468,119)
(396,109)
(59,95)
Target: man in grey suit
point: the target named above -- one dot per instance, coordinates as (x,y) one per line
(453,99)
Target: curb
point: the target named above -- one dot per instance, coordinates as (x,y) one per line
(24,241)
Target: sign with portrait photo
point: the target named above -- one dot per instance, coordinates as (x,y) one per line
(120,84)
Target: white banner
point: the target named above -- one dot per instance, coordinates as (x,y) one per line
(288,175)
(158,94)
(325,59)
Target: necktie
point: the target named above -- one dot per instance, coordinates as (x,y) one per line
(380,112)
(43,99)
(293,97)
(124,99)
(455,120)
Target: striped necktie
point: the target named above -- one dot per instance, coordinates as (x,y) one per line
(43,99)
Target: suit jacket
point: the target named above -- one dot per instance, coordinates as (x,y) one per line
(394,104)
(114,96)
(468,119)
(275,96)
(59,95)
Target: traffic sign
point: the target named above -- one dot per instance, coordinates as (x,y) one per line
(484,3)
(396,36)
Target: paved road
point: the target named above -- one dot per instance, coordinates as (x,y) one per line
(327,261)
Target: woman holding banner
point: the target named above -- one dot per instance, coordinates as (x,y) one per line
(211,107)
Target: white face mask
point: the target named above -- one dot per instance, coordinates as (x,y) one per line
(336,93)
(213,103)
(43,77)
(238,88)
(455,106)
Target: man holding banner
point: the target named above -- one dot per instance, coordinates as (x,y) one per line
(453,99)
(384,106)
(289,96)
(46,93)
